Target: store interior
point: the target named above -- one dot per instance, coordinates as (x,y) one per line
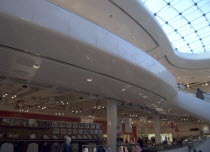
(36,113)
(102,76)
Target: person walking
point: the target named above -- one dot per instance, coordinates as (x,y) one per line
(199,94)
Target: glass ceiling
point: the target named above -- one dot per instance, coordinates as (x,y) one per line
(185,22)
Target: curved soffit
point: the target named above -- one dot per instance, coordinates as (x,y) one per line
(102,46)
(111,17)
(133,21)
(178,59)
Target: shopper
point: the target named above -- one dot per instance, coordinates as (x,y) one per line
(140,142)
(199,94)
(66,147)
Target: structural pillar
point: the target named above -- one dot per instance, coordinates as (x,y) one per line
(156,120)
(112,125)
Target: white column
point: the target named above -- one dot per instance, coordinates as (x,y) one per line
(112,125)
(156,120)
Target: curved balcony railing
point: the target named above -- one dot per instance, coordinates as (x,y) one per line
(192,92)
(203,145)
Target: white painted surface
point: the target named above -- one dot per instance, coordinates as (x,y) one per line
(192,61)
(69,38)
(112,127)
(156,120)
(64,36)
(112,18)
(123,26)
(193,105)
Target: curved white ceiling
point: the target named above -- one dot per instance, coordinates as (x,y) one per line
(133,22)
(64,36)
(185,22)
(85,51)
(137,10)
(111,17)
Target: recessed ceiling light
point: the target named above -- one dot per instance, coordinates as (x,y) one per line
(159,102)
(89,79)
(206,84)
(6,94)
(36,66)
(140,94)
(123,89)
(144,96)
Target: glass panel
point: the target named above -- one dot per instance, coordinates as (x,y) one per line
(196,44)
(199,23)
(185,22)
(206,40)
(191,38)
(167,13)
(154,5)
(194,15)
(167,28)
(179,19)
(182,5)
(160,21)
(173,37)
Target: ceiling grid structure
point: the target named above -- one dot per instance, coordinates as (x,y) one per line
(185,22)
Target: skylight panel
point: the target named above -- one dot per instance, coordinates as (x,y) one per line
(185,22)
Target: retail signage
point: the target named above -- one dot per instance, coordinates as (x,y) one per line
(58,128)
(128,125)
(86,120)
